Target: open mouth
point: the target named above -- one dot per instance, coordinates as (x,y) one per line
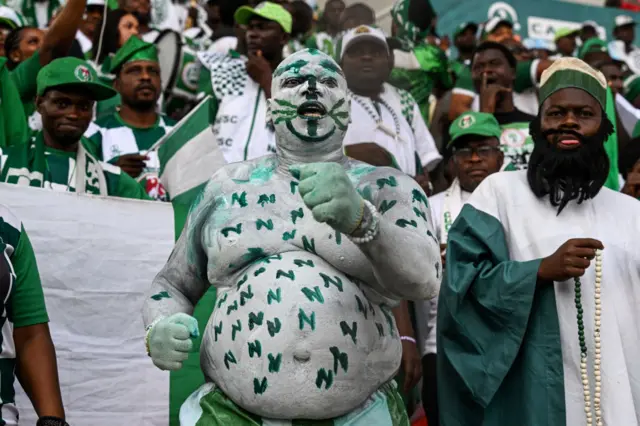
(568,142)
(312,110)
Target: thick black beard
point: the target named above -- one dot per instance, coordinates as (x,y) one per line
(568,175)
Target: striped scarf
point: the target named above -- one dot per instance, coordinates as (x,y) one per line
(26,165)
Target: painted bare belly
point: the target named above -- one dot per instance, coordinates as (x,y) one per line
(295,338)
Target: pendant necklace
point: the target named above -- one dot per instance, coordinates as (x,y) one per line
(596,414)
(378,117)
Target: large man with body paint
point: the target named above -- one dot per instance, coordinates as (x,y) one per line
(309,252)
(522,332)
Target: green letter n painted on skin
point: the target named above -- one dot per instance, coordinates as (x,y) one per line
(309,246)
(314,294)
(289,274)
(277,296)
(255,348)
(328,280)
(303,317)
(259,387)
(274,363)
(160,296)
(240,199)
(391,181)
(262,224)
(351,331)
(297,214)
(325,377)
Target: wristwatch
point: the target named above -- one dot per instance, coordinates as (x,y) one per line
(51,421)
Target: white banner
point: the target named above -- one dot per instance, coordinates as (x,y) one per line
(545,28)
(97,257)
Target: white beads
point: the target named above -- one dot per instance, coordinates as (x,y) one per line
(374,227)
(597,360)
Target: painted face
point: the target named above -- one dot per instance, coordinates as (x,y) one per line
(309,105)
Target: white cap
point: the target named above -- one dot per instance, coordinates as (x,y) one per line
(95,3)
(11,17)
(593,24)
(362,33)
(622,20)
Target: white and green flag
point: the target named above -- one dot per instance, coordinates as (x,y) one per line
(189,155)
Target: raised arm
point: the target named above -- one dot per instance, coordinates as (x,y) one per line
(60,35)
(404,253)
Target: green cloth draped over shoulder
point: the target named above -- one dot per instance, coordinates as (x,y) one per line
(499,355)
(13,122)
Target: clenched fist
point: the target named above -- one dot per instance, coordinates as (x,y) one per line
(570,260)
(170,341)
(327,191)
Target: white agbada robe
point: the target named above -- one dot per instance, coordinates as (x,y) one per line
(534,230)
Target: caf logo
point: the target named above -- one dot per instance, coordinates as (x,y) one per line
(362,30)
(467,121)
(505,11)
(82,73)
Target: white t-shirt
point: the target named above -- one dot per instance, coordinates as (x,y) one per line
(42,13)
(85,43)
(414,136)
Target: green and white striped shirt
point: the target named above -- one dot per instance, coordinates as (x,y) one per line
(111,137)
(22,303)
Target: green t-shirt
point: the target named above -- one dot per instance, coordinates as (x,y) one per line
(526,72)
(23,301)
(24,77)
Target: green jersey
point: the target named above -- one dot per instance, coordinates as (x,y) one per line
(111,137)
(37,165)
(22,302)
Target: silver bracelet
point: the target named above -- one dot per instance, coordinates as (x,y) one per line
(372,229)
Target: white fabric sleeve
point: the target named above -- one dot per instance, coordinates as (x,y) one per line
(425,145)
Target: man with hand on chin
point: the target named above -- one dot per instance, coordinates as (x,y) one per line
(241,85)
(527,327)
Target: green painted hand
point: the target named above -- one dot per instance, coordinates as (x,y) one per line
(170,341)
(327,191)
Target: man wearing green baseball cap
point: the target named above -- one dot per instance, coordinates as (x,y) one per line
(474,153)
(594,50)
(565,40)
(241,85)
(124,136)
(59,157)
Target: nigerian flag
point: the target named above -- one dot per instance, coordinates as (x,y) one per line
(189,155)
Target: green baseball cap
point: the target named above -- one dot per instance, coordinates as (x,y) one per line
(70,71)
(463,27)
(267,10)
(564,32)
(134,50)
(593,45)
(474,123)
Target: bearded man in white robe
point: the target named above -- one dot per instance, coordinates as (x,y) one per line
(531,330)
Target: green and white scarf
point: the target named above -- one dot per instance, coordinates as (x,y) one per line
(26,165)
(451,208)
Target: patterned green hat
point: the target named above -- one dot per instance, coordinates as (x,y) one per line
(593,45)
(474,123)
(70,71)
(573,73)
(134,50)
(632,87)
(266,10)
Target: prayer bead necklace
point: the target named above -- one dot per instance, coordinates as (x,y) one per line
(378,117)
(597,409)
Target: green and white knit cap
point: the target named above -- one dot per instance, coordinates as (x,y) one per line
(573,73)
